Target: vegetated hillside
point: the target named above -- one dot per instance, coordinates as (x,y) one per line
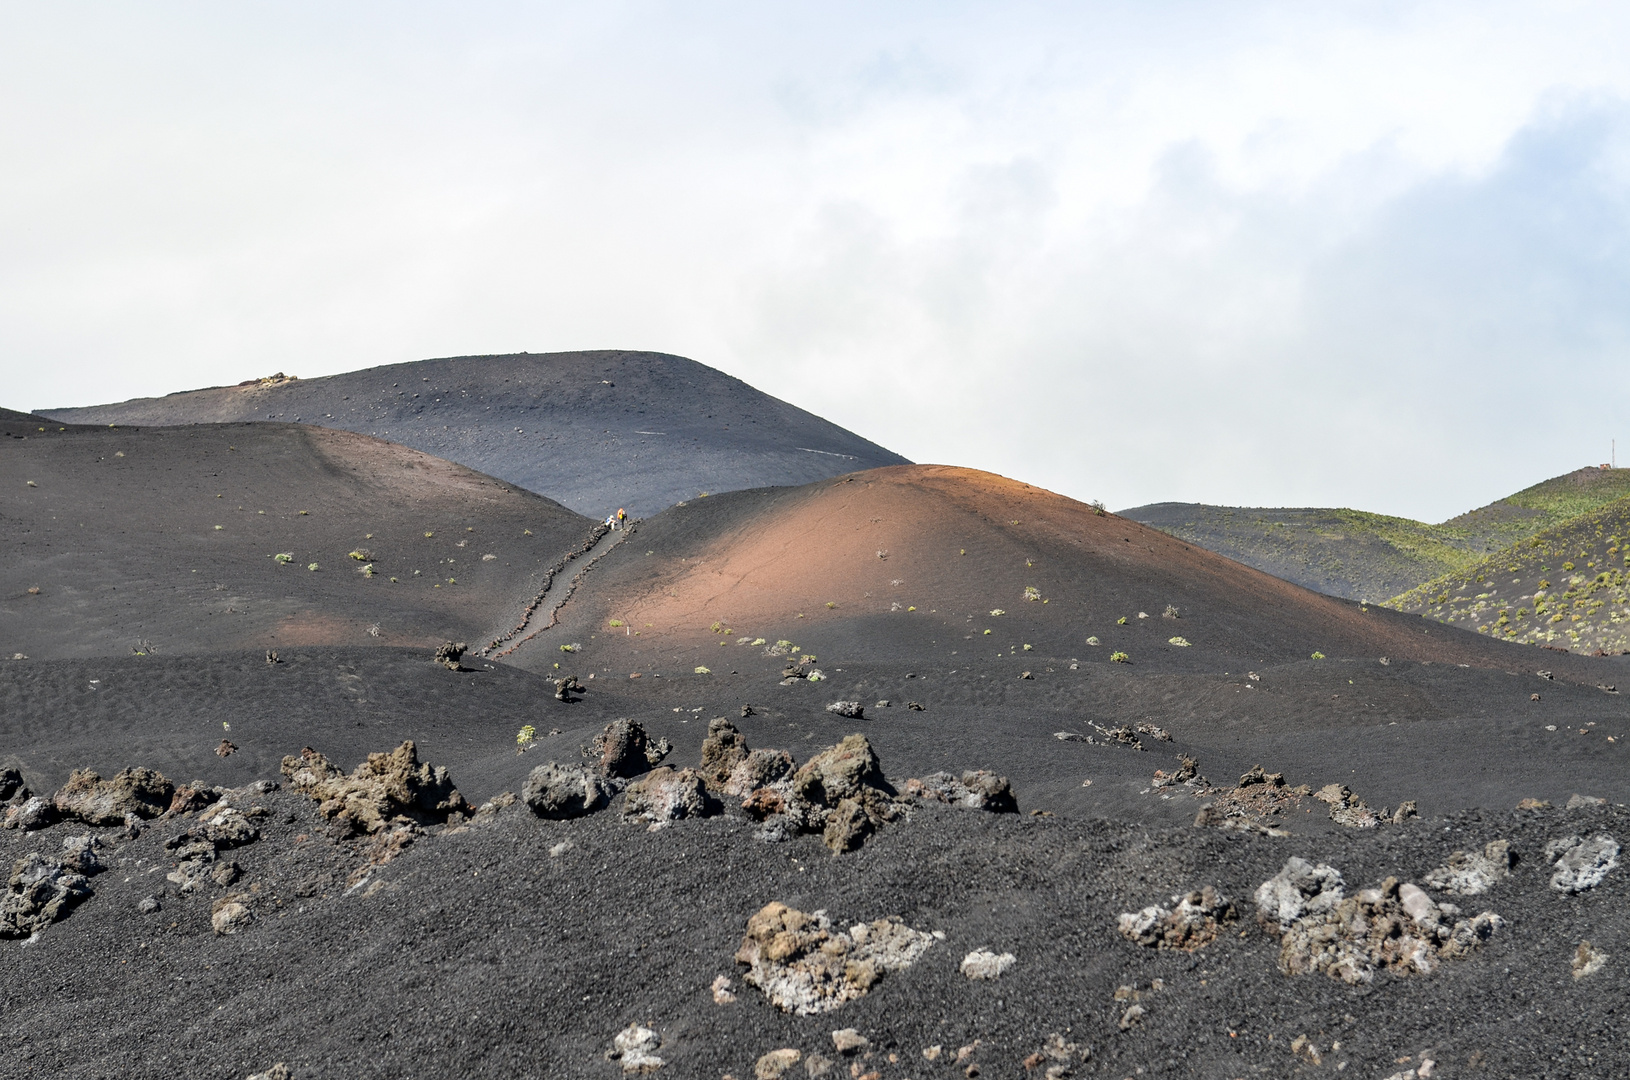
(1565,586)
(243,536)
(1365,556)
(932,561)
(595,431)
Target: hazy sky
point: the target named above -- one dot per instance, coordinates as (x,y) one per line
(1374,254)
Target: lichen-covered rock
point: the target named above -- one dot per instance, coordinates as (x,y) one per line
(40,892)
(664,795)
(1467,873)
(976,789)
(626,750)
(1581,864)
(840,772)
(386,787)
(635,1049)
(984,964)
(1194,920)
(1300,888)
(722,750)
(1393,926)
(560,792)
(759,769)
(804,966)
(32,813)
(87,797)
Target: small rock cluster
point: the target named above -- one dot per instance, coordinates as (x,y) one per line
(1194,920)
(220,827)
(804,966)
(1396,926)
(976,790)
(387,788)
(1346,809)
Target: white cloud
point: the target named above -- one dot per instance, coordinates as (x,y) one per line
(1252,253)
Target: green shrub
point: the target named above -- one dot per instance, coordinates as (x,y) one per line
(283,558)
(700,670)
(1119,658)
(526,736)
(1318,656)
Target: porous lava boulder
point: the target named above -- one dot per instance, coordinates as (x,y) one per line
(450,653)
(12,786)
(760,768)
(844,771)
(976,789)
(387,787)
(1581,864)
(804,966)
(722,750)
(41,891)
(664,795)
(87,797)
(32,813)
(559,792)
(626,750)
(1467,873)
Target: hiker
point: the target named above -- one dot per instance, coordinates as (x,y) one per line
(622,517)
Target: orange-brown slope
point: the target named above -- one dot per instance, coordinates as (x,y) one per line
(909,556)
(168,540)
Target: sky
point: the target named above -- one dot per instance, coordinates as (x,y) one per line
(1372,255)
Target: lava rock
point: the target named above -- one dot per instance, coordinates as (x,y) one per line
(559,792)
(664,795)
(87,797)
(386,787)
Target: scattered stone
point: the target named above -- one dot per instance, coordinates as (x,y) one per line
(30,814)
(1584,802)
(915,706)
(1395,926)
(1533,804)
(817,1065)
(776,1063)
(722,750)
(387,787)
(1193,921)
(977,790)
(1581,864)
(635,1048)
(1304,1048)
(560,849)
(1160,734)
(626,750)
(881,705)
(984,964)
(449,653)
(279,1071)
(1255,775)
(560,792)
(149,905)
(1587,960)
(226,749)
(87,797)
(1186,774)
(746,711)
(230,915)
(852,710)
(1468,873)
(850,1041)
(1132,1017)
(722,992)
(1406,810)
(805,967)
(664,795)
(566,686)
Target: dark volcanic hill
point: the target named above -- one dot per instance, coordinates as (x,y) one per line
(239,536)
(595,431)
(1365,556)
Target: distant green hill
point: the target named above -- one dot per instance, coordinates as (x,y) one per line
(1565,585)
(1364,556)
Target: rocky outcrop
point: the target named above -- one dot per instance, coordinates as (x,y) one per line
(31,813)
(450,653)
(1581,864)
(560,792)
(760,768)
(1393,926)
(197,850)
(804,966)
(1193,920)
(87,797)
(722,750)
(1468,873)
(976,790)
(665,795)
(1346,809)
(388,787)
